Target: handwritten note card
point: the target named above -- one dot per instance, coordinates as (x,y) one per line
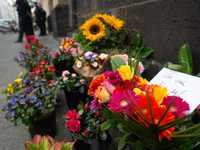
(180,84)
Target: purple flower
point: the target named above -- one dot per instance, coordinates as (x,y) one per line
(94,56)
(88,58)
(95,106)
(39,104)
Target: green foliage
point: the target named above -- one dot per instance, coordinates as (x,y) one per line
(59,58)
(185,61)
(117,62)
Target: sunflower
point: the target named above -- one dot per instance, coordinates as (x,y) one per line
(93,29)
(97,16)
(112,21)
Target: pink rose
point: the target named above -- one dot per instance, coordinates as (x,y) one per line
(72,114)
(65,78)
(74,125)
(64,73)
(56,54)
(82,81)
(73,75)
(86,106)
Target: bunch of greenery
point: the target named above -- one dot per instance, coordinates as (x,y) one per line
(101,33)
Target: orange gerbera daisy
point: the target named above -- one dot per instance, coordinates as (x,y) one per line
(160,93)
(95,83)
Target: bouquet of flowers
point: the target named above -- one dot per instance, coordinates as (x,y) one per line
(101,33)
(90,65)
(148,116)
(35,98)
(85,124)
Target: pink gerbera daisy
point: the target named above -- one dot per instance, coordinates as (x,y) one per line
(177,107)
(118,99)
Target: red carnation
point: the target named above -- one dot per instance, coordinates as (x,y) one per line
(51,68)
(85,132)
(29,38)
(27,46)
(72,114)
(128,85)
(86,106)
(56,54)
(42,64)
(74,125)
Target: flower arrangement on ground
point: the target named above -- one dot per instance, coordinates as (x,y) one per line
(85,124)
(90,65)
(101,33)
(34,53)
(35,99)
(149,114)
(50,143)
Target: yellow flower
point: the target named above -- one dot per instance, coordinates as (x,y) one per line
(160,93)
(93,29)
(125,72)
(66,44)
(97,16)
(102,94)
(10,88)
(18,80)
(138,91)
(112,21)
(142,81)
(21,74)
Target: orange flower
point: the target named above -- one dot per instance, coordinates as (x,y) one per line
(86,64)
(102,94)
(95,83)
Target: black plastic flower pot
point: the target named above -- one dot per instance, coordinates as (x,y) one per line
(73,98)
(46,125)
(69,64)
(96,144)
(59,68)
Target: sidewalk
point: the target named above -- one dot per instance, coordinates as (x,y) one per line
(13,138)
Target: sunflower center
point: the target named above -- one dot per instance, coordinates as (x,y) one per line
(173,109)
(123,103)
(94,29)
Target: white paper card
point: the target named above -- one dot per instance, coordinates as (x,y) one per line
(180,84)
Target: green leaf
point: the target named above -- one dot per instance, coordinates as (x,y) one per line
(122,141)
(31,146)
(185,57)
(137,40)
(80,112)
(81,89)
(198,75)
(103,136)
(107,124)
(166,65)
(146,52)
(122,129)
(87,141)
(49,105)
(27,128)
(179,68)
(26,117)
(80,106)
(116,63)
(19,119)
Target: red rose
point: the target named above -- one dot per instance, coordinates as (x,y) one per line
(51,68)
(27,46)
(29,38)
(72,114)
(56,54)
(85,132)
(35,41)
(128,85)
(74,125)
(86,106)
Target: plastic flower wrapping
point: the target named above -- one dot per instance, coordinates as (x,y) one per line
(151,116)
(90,65)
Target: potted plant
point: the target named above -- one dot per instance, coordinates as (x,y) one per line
(48,143)
(85,126)
(59,63)
(34,103)
(74,87)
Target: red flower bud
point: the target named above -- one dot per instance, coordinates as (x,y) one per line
(98,113)
(85,132)
(101,126)
(86,106)
(103,118)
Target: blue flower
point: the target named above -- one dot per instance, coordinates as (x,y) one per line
(24,81)
(15,58)
(34,98)
(42,84)
(8,108)
(94,56)
(15,99)
(23,100)
(12,113)
(36,84)
(39,104)
(46,93)
(54,83)
(88,58)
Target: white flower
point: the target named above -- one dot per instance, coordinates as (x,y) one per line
(61,47)
(79,64)
(95,64)
(103,55)
(88,53)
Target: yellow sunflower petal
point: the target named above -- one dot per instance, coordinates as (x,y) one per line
(21,74)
